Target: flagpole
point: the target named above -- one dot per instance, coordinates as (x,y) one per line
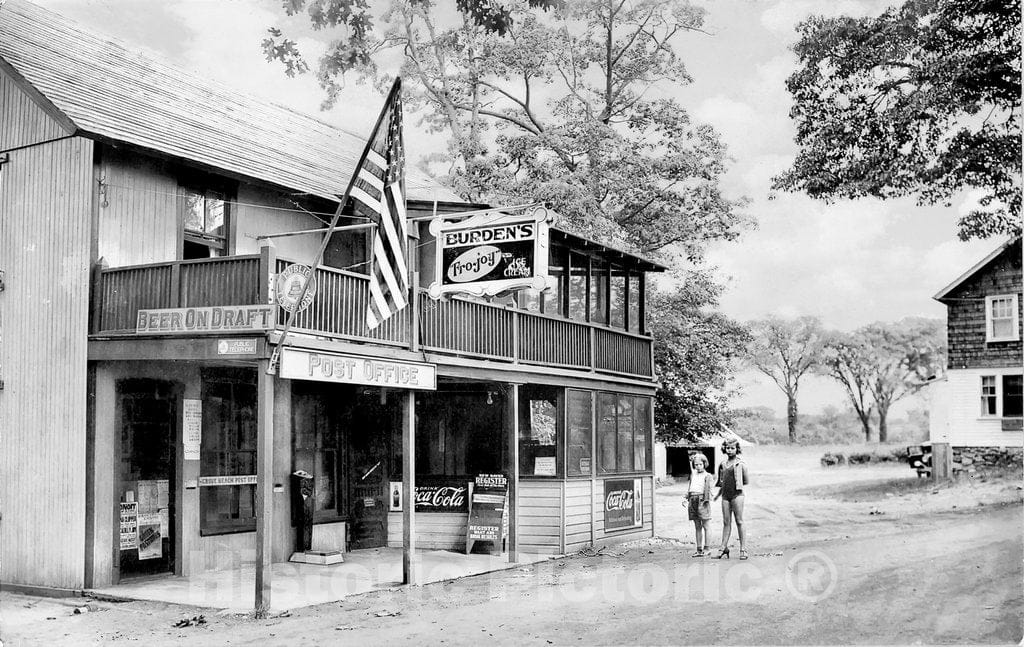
(275,358)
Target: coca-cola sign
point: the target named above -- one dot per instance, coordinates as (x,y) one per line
(622,507)
(441,497)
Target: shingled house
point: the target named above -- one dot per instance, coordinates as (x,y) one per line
(977,409)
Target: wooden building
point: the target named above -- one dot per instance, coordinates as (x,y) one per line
(976,410)
(137,315)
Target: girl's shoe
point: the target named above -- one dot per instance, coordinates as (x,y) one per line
(723,553)
(699,553)
(743,554)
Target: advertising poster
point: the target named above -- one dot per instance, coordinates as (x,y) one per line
(442,496)
(395,498)
(545,466)
(621,504)
(192,433)
(487,510)
(151,545)
(129,526)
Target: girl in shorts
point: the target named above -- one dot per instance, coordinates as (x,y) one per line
(698,498)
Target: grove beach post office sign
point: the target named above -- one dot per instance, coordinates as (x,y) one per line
(486,255)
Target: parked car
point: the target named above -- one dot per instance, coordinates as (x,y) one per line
(919,457)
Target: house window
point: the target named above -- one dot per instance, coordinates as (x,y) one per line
(228,449)
(1001,318)
(1013,396)
(988,395)
(623,430)
(1002,396)
(204,218)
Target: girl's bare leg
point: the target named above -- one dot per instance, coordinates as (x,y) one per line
(705,527)
(726,523)
(737,511)
(696,532)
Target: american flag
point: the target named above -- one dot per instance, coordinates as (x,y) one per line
(378,191)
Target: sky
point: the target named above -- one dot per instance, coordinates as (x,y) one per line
(850,263)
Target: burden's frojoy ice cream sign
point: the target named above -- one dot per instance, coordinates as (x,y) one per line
(491,253)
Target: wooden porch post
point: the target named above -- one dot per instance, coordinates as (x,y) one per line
(409,571)
(512,415)
(264,485)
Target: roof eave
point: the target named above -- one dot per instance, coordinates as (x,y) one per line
(941,294)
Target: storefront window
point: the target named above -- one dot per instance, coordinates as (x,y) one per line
(228,449)
(623,431)
(459,433)
(539,427)
(580,418)
(634,302)
(318,446)
(579,267)
(598,292)
(617,296)
(553,304)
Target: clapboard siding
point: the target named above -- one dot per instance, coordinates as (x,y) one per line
(139,221)
(44,248)
(579,514)
(967,428)
(22,121)
(434,530)
(540,516)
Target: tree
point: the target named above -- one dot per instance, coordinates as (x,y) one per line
(907,353)
(357,47)
(848,359)
(563,108)
(923,100)
(694,353)
(785,350)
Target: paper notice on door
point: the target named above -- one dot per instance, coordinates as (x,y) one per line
(192,429)
(148,496)
(151,544)
(164,522)
(129,526)
(163,493)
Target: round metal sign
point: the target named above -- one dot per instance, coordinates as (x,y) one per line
(289,287)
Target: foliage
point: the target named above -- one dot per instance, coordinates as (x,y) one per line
(568,108)
(922,100)
(848,359)
(906,354)
(785,350)
(356,49)
(693,355)
(841,429)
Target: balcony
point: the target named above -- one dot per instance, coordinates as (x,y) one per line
(455,327)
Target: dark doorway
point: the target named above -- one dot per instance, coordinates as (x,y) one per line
(148,414)
(369,427)
(677,460)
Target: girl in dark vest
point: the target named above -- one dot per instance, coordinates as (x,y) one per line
(732,476)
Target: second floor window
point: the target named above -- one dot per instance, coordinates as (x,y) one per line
(204,218)
(1001,318)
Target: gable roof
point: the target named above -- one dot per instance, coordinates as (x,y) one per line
(977,267)
(108,91)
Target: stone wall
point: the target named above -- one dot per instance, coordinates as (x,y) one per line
(971,459)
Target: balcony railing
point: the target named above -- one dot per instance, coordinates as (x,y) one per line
(453,327)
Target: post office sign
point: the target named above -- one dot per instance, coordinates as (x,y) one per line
(299,364)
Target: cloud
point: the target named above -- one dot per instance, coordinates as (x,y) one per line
(783,15)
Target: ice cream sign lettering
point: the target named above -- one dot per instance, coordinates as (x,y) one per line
(491,254)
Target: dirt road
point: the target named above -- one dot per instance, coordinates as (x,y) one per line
(917,570)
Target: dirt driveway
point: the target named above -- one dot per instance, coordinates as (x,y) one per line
(862,555)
